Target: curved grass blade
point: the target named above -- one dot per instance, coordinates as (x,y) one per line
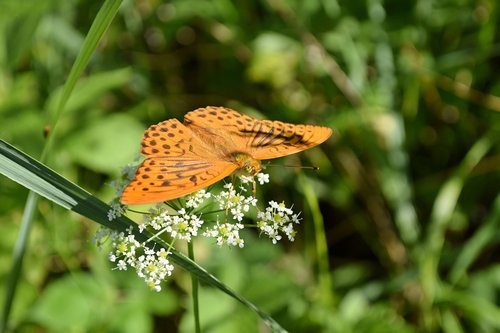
(441,215)
(99,26)
(482,238)
(39,178)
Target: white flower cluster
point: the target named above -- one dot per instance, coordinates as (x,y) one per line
(150,265)
(180,226)
(117,209)
(196,199)
(226,233)
(262,178)
(235,204)
(127,173)
(277,218)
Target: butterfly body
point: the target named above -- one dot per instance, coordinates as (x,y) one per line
(247,164)
(212,143)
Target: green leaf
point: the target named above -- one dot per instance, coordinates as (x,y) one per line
(89,89)
(106,144)
(76,301)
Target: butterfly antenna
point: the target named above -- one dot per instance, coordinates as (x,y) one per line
(307,167)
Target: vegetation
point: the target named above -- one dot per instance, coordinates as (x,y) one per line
(400,223)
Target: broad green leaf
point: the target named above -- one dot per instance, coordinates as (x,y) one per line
(106,144)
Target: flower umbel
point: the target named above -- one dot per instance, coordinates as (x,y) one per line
(180,226)
(196,199)
(183,222)
(117,209)
(226,233)
(150,265)
(235,203)
(277,218)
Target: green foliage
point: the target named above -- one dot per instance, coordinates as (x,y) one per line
(79,300)
(400,228)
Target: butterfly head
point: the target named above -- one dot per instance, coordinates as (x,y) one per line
(247,164)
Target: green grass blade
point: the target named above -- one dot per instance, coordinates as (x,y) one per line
(101,22)
(99,26)
(321,246)
(476,308)
(481,238)
(441,215)
(17,257)
(447,198)
(37,177)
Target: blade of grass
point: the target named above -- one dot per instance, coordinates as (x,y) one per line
(451,324)
(17,255)
(321,247)
(472,248)
(39,178)
(99,26)
(475,307)
(441,215)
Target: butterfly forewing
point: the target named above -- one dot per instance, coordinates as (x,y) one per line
(161,179)
(169,138)
(177,163)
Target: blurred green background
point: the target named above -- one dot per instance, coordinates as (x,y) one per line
(407,198)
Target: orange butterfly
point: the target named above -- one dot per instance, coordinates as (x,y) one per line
(212,143)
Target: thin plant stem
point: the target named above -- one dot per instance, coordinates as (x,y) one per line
(194,292)
(18,257)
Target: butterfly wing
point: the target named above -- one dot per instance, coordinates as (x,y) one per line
(176,164)
(160,179)
(262,139)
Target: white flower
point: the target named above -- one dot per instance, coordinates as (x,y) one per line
(235,203)
(226,233)
(117,209)
(275,219)
(246,179)
(102,234)
(262,178)
(153,266)
(196,199)
(150,265)
(179,226)
(122,266)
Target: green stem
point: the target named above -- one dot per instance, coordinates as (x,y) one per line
(17,258)
(321,247)
(194,286)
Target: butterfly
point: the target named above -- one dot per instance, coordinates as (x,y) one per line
(211,144)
